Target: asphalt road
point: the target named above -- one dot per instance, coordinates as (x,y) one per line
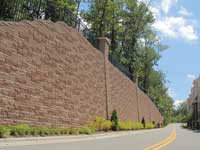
(173,137)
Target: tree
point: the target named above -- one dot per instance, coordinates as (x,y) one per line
(136,18)
(7,9)
(98,16)
(181,113)
(34,9)
(128,24)
(159,95)
(54,9)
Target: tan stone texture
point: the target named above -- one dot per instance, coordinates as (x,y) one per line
(51,75)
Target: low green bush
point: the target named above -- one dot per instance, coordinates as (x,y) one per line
(73,131)
(150,126)
(34,131)
(100,124)
(20,130)
(125,125)
(64,131)
(130,125)
(138,126)
(4,132)
(107,125)
(86,130)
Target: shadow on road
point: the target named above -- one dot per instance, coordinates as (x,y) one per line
(190,129)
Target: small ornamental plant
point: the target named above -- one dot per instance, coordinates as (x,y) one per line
(115,121)
(143,122)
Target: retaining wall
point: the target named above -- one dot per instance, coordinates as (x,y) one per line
(51,75)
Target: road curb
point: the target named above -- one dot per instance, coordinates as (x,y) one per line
(66,139)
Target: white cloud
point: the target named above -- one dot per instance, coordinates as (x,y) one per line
(171,93)
(176,27)
(191,76)
(156,12)
(188,33)
(177,103)
(167,4)
(184,12)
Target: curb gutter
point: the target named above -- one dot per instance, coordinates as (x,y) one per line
(66,139)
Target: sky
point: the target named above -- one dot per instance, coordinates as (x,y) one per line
(178,25)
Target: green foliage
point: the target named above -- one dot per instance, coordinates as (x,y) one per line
(181,113)
(143,122)
(115,120)
(100,124)
(130,125)
(107,125)
(125,125)
(137,126)
(20,130)
(74,131)
(150,126)
(86,130)
(135,44)
(54,8)
(64,131)
(159,94)
(23,9)
(4,132)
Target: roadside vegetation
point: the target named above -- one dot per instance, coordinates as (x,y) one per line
(99,125)
(181,113)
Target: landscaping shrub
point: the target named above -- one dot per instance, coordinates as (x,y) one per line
(64,131)
(143,122)
(86,130)
(97,124)
(100,124)
(34,131)
(44,131)
(115,121)
(73,131)
(138,126)
(130,125)
(125,125)
(4,132)
(20,130)
(150,126)
(107,125)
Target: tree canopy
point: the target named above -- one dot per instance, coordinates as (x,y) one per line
(128,23)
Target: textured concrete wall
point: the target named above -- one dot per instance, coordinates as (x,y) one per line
(51,75)
(129,101)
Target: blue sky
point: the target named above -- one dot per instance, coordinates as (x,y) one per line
(178,24)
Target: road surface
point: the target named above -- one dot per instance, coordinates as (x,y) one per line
(173,137)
